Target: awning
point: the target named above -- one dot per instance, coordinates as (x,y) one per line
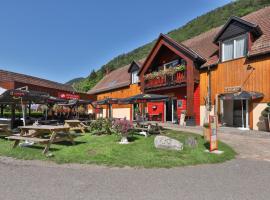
(143,98)
(107,101)
(15,96)
(243,95)
(76,102)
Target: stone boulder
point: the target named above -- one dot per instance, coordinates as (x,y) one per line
(191,142)
(164,142)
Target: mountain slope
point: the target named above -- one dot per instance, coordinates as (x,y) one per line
(195,27)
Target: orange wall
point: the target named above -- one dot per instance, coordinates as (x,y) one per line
(125,92)
(235,73)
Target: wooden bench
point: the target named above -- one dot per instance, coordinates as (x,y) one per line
(76,125)
(32,139)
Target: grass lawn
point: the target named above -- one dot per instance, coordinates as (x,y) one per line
(105,150)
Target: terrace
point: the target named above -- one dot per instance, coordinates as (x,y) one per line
(166,76)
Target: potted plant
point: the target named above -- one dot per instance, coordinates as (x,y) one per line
(206,131)
(266,116)
(123,127)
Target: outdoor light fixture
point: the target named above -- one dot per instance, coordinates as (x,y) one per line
(249,67)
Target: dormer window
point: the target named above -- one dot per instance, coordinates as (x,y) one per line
(234,48)
(134,77)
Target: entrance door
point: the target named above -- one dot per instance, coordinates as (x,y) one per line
(169,110)
(174,111)
(240,113)
(135,110)
(235,113)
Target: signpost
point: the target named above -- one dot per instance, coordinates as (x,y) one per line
(213,132)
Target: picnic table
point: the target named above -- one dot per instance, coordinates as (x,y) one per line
(147,127)
(4,130)
(43,134)
(76,125)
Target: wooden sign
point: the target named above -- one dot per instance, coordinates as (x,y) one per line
(232,89)
(213,132)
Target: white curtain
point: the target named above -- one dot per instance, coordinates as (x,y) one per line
(240,47)
(227,50)
(135,78)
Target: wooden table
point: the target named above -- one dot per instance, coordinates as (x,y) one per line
(76,125)
(4,130)
(43,134)
(148,126)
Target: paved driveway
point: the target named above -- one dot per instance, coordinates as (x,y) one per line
(237,179)
(246,177)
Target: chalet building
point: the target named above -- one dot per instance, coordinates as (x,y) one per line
(121,83)
(172,69)
(236,75)
(12,80)
(225,70)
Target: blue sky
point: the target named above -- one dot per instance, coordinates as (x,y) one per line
(63,39)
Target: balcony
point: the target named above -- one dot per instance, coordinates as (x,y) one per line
(165,80)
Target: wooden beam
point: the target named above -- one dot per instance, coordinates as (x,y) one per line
(190,88)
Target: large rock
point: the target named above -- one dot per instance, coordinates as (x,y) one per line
(191,142)
(164,142)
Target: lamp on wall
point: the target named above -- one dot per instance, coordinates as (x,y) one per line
(249,67)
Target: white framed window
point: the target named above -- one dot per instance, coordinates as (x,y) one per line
(171,64)
(134,77)
(234,48)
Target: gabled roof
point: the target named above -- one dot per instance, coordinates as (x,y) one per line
(203,44)
(137,63)
(178,46)
(253,28)
(116,79)
(8,76)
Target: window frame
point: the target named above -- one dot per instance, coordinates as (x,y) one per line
(135,73)
(245,37)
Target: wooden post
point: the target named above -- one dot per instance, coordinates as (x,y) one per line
(12,116)
(190,89)
(2,111)
(29,111)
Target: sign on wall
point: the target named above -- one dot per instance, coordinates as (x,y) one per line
(232,89)
(179,103)
(213,132)
(68,96)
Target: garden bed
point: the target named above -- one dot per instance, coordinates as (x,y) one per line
(105,150)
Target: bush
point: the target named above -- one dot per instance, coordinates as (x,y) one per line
(123,127)
(19,114)
(102,126)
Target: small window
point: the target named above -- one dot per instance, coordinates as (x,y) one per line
(234,48)
(171,64)
(134,77)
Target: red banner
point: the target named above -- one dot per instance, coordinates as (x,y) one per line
(68,96)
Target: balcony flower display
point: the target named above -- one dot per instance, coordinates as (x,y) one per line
(167,72)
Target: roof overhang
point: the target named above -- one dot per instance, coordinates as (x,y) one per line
(177,46)
(253,28)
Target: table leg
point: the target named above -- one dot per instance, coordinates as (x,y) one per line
(18,141)
(50,142)
(70,137)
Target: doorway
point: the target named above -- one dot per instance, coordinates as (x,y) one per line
(135,110)
(235,113)
(171,110)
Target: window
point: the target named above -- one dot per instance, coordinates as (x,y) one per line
(171,64)
(234,48)
(134,77)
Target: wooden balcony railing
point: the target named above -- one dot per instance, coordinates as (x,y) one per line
(166,80)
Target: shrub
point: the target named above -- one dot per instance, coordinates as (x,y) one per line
(123,127)
(102,126)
